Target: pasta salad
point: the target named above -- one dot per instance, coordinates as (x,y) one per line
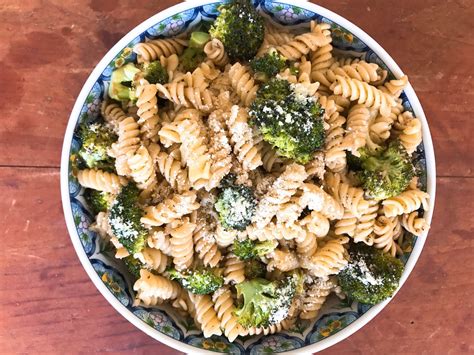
(244,172)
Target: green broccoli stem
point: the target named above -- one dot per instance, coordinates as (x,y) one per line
(199,39)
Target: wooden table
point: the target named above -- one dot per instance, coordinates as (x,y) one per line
(47,50)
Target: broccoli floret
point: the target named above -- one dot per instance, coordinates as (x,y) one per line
(371,276)
(96,140)
(265,302)
(98,201)
(121,87)
(387,172)
(133,265)
(267,66)
(248,249)
(235,205)
(154,73)
(194,54)
(288,119)
(200,281)
(124,219)
(254,269)
(240,28)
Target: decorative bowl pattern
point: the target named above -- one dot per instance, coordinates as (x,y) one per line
(338,319)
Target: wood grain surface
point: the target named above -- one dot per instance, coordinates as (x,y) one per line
(47,50)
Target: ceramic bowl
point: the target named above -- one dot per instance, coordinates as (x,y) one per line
(338,319)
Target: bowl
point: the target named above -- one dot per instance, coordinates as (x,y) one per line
(337,320)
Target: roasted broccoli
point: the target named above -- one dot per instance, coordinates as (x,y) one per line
(371,276)
(240,28)
(200,281)
(121,87)
(154,73)
(124,219)
(235,205)
(96,140)
(248,249)
(98,201)
(265,302)
(254,269)
(267,66)
(194,54)
(133,265)
(288,119)
(385,173)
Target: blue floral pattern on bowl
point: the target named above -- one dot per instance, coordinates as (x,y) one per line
(83,220)
(216,343)
(113,279)
(275,344)
(160,321)
(330,324)
(334,316)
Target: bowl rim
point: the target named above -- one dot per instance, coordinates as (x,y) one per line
(94,76)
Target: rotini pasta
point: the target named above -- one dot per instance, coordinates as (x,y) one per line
(406,202)
(154,49)
(363,93)
(214,194)
(100,180)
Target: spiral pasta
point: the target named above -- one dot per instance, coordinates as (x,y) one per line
(358,128)
(411,135)
(215,52)
(316,223)
(241,136)
(352,198)
(316,199)
(180,93)
(127,144)
(100,180)
(225,309)
(234,270)
(283,260)
(363,93)
(362,71)
(171,209)
(195,153)
(113,114)
(334,155)
(387,230)
(365,224)
(315,297)
(160,240)
(406,202)
(154,49)
(321,60)
(205,243)
(152,289)
(206,315)
(142,168)
(219,149)
(280,192)
(302,44)
(414,224)
(395,87)
(182,245)
(243,83)
(153,259)
(329,259)
(147,110)
(169,166)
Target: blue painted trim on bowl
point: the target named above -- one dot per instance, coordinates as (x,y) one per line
(91,113)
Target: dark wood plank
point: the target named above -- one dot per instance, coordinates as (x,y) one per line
(49,304)
(47,50)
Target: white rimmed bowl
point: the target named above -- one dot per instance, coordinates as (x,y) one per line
(337,320)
